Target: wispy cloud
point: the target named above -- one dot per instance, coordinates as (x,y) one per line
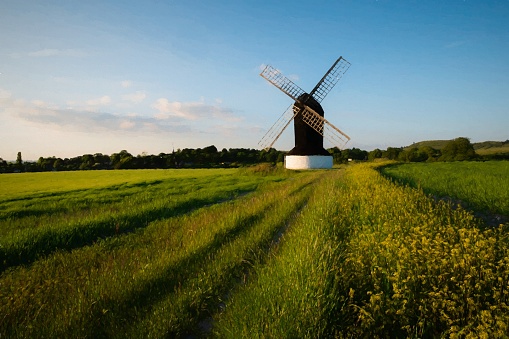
(198,110)
(173,117)
(102,101)
(88,121)
(40,113)
(51,52)
(135,97)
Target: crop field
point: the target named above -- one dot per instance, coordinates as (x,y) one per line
(257,252)
(481,186)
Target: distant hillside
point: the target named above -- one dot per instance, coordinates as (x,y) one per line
(481,148)
(436,144)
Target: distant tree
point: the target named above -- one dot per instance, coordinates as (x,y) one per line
(392,153)
(4,167)
(122,160)
(44,164)
(413,155)
(19,162)
(375,154)
(459,149)
(336,155)
(433,154)
(58,164)
(280,157)
(87,161)
(101,161)
(358,154)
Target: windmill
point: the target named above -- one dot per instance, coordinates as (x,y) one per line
(310,126)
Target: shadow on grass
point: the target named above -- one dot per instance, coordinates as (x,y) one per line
(35,245)
(138,303)
(56,196)
(169,279)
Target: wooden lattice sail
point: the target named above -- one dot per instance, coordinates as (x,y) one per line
(310,126)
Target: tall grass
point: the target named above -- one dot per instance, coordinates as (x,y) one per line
(340,253)
(371,259)
(482,186)
(293,295)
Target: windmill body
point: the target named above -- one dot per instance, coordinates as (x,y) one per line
(310,125)
(308,141)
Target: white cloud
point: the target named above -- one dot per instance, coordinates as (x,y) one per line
(175,120)
(40,113)
(126,83)
(167,109)
(104,100)
(198,110)
(135,97)
(127,124)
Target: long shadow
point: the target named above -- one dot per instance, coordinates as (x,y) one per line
(35,246)
(210,304)
(174,276)
(52,196)
(32,212)
(304,186)
(169,279)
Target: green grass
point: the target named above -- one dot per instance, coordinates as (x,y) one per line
(368,258)
(25,185)
(183,256)
(36,225)
(482,186)
(257,252)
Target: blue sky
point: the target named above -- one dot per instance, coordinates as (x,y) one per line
(82,77)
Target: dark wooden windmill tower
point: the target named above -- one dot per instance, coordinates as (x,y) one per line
(310,126)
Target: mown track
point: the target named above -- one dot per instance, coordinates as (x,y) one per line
(125,285)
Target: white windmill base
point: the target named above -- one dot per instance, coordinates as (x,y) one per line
(297,162)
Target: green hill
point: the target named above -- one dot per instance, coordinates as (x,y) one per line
(481,148)
(436,144)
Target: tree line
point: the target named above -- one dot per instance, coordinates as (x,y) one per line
(208,157)
(458,149)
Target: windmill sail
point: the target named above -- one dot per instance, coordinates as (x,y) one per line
(324,127)
(275,77)
(330,79)
(277,129)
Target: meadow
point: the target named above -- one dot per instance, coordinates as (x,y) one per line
(257,252)
(481,186)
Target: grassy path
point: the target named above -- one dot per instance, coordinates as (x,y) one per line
(368,258)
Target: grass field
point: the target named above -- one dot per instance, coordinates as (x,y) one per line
(244,253)
(482,186)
